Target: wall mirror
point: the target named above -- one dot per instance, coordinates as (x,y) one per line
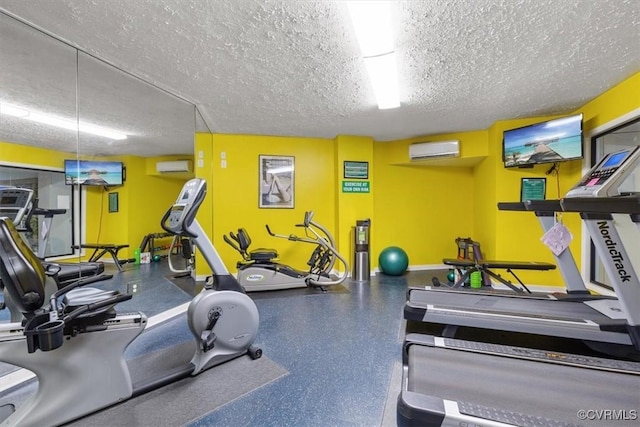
(53,98)
(37,84)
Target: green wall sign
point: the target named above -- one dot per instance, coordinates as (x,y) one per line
(356,170)
(355,186)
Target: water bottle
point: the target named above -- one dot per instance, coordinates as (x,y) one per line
(136,255)
(476,280)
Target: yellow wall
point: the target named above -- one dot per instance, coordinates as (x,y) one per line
(143,198)
(33,156)
(515,235)
(617,101)
(351,207)
(233,192)
(420,207)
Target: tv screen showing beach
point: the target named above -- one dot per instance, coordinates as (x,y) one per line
(552,141)
(89,172)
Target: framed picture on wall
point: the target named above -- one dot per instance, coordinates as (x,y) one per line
(533,189)
(276,181)
(113,202)
(356,170)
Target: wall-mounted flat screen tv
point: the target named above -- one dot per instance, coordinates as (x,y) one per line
(90,172)
(552,141)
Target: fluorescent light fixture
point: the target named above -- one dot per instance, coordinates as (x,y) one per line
(372,25)
(383,74)
(47,119)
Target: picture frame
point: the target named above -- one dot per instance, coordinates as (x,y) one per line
(533,189)
(113,202)
(355,170)
(276,182)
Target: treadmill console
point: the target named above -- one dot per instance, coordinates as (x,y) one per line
(604,179)
(15,203)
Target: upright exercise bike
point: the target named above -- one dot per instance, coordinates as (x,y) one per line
(260,271)
(76,346)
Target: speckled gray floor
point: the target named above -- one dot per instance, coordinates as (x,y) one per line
(339,348)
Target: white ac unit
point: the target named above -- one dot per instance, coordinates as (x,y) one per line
(434,150)
(174,166)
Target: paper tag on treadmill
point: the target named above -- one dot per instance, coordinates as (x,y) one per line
(557,238)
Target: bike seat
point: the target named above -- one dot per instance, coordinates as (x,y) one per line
(84,296)
(263,255)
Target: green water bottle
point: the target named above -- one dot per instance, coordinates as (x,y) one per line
(136,255)
(476,280)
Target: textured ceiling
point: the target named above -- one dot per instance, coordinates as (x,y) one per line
(293,67)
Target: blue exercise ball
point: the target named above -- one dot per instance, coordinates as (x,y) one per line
(393,261)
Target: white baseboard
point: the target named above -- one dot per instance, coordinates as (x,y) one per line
(428,267)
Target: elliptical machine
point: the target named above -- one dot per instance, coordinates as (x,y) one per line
(260,271)
(76,346)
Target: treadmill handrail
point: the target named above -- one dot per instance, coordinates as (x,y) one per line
(552,205)
(629,204)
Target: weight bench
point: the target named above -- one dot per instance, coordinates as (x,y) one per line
(100,250)
(485,266)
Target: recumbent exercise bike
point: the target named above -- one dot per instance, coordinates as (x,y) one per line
(76,346)
(259,269)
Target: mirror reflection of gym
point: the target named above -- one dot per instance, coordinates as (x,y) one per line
(42,76)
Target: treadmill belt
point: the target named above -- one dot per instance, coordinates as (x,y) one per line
(504,388)
(538,308)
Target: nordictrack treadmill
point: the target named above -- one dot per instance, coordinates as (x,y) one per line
(606,320)
(448,382)
(453,382)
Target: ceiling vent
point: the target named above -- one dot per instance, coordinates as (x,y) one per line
(174,166)
(434,150)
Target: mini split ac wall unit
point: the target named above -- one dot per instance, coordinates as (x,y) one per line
(174,166)
(434,150)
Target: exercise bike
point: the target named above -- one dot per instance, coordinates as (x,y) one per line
(259,269)
(76,346)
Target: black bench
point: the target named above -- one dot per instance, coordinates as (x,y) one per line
(101,249)
(485,266)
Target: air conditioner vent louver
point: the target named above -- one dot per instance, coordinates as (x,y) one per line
(434,150)
(174,166)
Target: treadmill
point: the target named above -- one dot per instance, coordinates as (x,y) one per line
(598,321)
(455,382)
(19,205)
(450,382)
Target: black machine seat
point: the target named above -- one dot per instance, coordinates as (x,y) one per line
(21,272)
(70,273)
(24,277)
(241,243)
(85,296)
